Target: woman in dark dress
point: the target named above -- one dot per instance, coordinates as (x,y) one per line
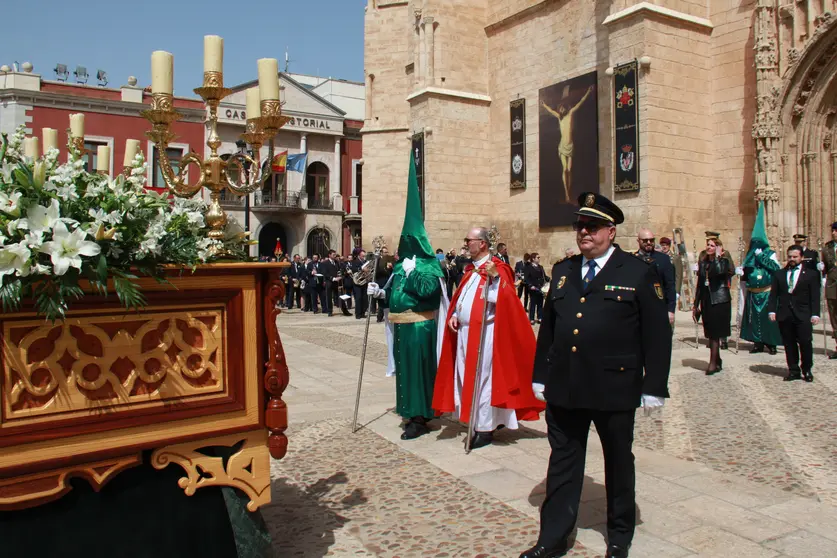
(713,301)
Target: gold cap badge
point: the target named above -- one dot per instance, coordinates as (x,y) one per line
(590,200)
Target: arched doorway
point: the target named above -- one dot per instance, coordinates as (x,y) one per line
(795,122)
(319,242)
(270,233)
(316,186)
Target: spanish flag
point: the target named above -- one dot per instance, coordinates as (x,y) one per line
(279,162)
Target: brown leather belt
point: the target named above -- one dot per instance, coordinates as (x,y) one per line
(410,317)
(758,289)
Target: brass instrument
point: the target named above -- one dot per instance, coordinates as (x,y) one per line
(296,283)
(366,274)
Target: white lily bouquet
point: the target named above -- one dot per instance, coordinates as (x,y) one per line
(60,225)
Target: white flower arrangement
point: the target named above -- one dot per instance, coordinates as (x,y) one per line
(60,225)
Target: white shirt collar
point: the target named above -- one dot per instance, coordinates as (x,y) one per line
(479,263)
(601,260)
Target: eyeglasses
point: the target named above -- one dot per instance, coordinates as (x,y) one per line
(590,226)
(470,240)
(647,240)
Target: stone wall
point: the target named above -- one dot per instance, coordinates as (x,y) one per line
(696,112)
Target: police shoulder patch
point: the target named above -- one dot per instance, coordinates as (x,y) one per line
(659,290)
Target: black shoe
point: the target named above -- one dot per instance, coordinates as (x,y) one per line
(792,376)
(832,356)
(414,429)
(539,551)
(712,371)
(807,376)
(724,347)
(772,350)
(481,439)
(616,551)
(757,349)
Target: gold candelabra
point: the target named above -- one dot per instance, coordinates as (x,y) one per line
(215,173)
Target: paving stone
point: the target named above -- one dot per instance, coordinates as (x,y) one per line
(802,544)
(734,519)
(708,541)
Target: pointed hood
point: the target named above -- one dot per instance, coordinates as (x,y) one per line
(414,240)
(758,239)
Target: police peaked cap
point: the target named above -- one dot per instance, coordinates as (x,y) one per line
(596,206)
(800,236)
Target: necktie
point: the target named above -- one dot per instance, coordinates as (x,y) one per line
(591,272)
(790,281)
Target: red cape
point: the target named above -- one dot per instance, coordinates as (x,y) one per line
(511,379)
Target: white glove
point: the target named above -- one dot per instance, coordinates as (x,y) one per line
(695,267)
(373,290)
(758,251)
(537,389)
(652,402)
(820,266)
(409,265)
(739,271)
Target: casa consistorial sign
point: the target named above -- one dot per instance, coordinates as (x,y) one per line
(315,124)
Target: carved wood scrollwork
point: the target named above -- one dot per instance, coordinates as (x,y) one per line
(237,460)
(28,491)
(276,369)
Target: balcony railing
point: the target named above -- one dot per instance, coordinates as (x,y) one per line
(319,203)
(281,199)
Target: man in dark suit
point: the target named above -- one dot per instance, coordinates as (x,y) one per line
(604,349)
(294,277)
(503,253)
(331,273)
(795,303)
(314,282)
(646,241)
(810,258)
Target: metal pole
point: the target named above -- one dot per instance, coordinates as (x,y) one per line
(697,290)
(823,304)
(480,353)
(366,336)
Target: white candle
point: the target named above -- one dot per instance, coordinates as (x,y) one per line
(50,136)
(269,79)
(77,125)
(162,72)
(103,158)
(30,147)
(132,147)
(254,109)
(213,53)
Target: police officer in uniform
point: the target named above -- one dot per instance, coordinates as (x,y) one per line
(665,269)
(810,258)
(604,349)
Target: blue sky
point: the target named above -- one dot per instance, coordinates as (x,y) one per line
(324,37)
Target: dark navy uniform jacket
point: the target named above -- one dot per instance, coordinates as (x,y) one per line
(665,269)
(602,346)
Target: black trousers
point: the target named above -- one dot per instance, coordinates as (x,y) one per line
(567,430)
(328,295)
(293,292)
(535,305)
(523,289)
(797,337)
(361,301)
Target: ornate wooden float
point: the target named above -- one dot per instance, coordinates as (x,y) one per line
(200,368)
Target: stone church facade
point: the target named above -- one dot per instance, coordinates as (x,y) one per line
(736,103)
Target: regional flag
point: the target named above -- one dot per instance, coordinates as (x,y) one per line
(280,161)
(297,162)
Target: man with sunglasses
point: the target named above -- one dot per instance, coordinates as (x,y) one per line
(665,269)
(604,349)
(508,349)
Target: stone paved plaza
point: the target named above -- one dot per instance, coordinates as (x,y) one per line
(738,464)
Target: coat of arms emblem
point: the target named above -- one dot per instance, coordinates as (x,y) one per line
(590,200)
(625,97)
(626,158)
(517,124)
(517,164)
